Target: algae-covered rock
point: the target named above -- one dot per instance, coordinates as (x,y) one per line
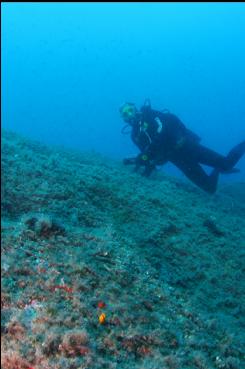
(83,236)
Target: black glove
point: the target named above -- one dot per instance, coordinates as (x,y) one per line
(139,161)
(143,160)
(148,170)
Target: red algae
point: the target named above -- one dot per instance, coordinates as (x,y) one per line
(101,304)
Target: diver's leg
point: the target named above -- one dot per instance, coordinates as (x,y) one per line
(211,158)
(197,175)
(235,154)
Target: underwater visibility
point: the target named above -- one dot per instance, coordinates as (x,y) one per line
(123,186)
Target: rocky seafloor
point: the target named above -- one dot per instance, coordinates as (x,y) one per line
(102,268)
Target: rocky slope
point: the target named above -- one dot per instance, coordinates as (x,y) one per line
(82,236)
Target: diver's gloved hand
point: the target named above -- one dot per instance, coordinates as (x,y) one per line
(140,160)
(143,160)
(148,170)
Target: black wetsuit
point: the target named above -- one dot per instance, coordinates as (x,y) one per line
(162,137)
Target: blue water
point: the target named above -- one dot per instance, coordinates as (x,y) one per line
(67,67)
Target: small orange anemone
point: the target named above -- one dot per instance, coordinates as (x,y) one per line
(102,318)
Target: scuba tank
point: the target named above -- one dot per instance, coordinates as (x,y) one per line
(147,105)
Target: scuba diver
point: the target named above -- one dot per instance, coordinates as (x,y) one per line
(162,137)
